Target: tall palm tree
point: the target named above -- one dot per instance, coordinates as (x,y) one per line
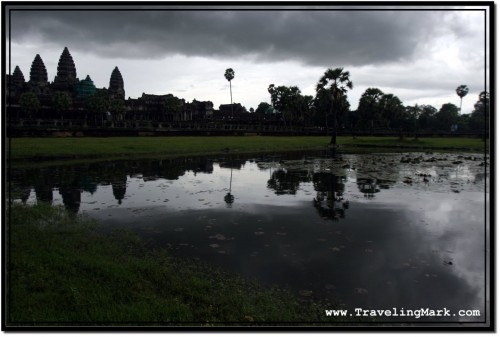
(229,75)
(462,90)
(335,83)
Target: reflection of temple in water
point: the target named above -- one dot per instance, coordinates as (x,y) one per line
(72,180)
(71,196)
(44,193)
(119,187)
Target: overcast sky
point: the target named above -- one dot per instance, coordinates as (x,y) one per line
(421,56)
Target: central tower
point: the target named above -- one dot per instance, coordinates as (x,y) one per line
(66,73)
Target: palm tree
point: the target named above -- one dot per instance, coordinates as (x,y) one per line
(229,75)
(462,90)
(335,83)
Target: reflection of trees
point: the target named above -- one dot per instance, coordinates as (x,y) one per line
(370,186)
(329,201)
(171,169)
(88,184)
(286,181)
(229,198)
(233,164)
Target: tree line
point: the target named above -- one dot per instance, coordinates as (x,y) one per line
(376,110)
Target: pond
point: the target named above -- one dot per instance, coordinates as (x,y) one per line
(370,231)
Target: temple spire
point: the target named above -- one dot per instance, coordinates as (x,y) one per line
(116,87)
(66,72)
(18,78)
(38,73)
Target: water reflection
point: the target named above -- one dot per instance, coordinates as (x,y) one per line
(229,198)
(400,236)
(329,201)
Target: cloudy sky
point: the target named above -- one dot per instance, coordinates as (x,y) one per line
(419,54)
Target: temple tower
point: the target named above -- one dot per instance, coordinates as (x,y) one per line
(116,87)
(66,73)
(15,85)
(38,83)
(38,73)
(18,80)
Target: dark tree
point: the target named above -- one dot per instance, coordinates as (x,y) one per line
(391,108)
(61,102)
(288,101)
(98,104)
(333,85)
(117,108)
(479,120)
(29,103)
(408,118)
(263,108)
(427,117)
(446,117)
(369,106)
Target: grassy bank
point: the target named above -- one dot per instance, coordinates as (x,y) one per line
(63,272)
(45,148)
(73,148)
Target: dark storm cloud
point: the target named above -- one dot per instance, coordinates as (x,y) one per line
(311,37)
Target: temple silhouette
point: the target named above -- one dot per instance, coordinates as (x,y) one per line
(68,103)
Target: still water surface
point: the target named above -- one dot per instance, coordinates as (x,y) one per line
(376,231)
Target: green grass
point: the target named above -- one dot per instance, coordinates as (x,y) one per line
(62,271)
(75,148)
(33,148)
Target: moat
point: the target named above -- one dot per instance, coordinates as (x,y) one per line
(372,231)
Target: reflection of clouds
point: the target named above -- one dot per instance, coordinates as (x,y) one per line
(411,255)
(458,231)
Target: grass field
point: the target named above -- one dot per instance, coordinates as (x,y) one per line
(61,271)
(125,147)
